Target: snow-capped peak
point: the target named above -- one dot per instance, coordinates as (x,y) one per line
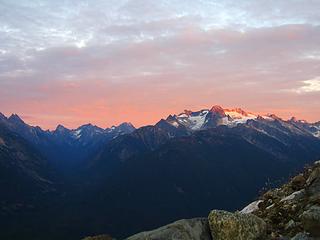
(237,116)
(189,119)
(218,109)
(237,111)
(216,116)
(211,117)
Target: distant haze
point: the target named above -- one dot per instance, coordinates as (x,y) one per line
(106,62)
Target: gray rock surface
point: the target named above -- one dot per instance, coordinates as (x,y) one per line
(311,220)
(313,182)
(186,229)
(302,236)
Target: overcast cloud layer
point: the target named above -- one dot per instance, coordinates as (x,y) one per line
(105,62)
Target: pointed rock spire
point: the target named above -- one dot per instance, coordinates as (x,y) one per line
(14,118)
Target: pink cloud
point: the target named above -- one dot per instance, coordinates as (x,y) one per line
(144,81)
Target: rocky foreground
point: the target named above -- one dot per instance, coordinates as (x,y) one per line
(289,212)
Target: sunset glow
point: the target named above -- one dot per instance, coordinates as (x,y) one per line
(74,62)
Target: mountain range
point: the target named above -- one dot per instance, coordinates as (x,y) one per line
(62,144)
(68,184)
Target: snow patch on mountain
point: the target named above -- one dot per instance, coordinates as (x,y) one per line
(239,116)
(317,132)
(174,123)
(77,133)
(191,120)
(197,120)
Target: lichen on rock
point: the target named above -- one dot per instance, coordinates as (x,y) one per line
(236,226)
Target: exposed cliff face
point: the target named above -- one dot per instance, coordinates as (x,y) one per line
(289,212)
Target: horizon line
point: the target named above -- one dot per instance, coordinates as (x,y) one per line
(23,118)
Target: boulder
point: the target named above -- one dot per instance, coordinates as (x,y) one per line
(252,207)
(298,182)
(315,174)
(311,221)
(313,182)
(186,229)
(295,196)
(99,237)
(302,236)
(236,226)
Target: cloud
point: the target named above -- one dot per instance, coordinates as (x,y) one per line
(153,58)
(311,85)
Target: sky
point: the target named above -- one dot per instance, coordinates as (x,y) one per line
(110,61)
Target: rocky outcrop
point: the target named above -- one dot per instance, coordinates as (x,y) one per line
(236,226)
(190,229)
(293,211)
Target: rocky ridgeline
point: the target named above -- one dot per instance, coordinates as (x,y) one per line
(291,212)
